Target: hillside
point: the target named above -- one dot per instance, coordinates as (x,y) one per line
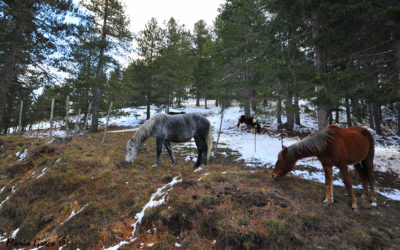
(82,195)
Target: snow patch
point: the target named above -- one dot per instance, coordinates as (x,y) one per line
(43,172)
(160,193)
(14,234)
(22,156)
(8,197)
(74,213)
(198,169)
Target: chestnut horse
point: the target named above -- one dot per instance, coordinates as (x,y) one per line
(334,146)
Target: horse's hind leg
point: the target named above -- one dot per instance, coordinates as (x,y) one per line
(364,178)
(347,182)
(170,152)
(200,147)
(160,142)
(368,164)
(328,184)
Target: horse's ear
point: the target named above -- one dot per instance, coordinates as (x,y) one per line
(284,151)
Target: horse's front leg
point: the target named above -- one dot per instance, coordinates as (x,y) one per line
(160,142)
(328,184)
(347,182)
(170,152)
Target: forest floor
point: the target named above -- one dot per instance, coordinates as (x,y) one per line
(81,194)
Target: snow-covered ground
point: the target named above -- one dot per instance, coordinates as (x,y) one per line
(262,150)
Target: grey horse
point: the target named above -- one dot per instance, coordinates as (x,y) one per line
(173,128)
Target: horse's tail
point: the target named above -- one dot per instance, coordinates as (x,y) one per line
(209,141)
(365,132)
(368,135)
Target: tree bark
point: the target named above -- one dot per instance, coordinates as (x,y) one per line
(377,118)
(289,112)
(279,112)
(348,112)
(319,68)
(337,113)
(296,110)
(398,119)
(99,72)
(148,103)
(330,117)
(371,116)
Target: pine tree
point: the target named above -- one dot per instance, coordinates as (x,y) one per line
(110,25)
(29,33)
(149,45)
(203,73)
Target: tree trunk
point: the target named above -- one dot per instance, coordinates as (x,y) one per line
(289,113)
(330,117)
(319,68)
(398,119)
(337,115)
(279,112)
(296,110)
(96,104)
(99,73)
(377,118)
(371,116)
(205,102)
(148,103)
(197,100)
(348,112)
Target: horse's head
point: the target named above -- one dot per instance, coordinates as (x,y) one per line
(284,164)
(131,152)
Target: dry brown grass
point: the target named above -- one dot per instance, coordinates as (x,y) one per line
(237,208)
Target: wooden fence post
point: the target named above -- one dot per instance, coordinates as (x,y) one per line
(66,116)
(105,128)
(77,121)
(19,129)
(220,126)
(51,117)
(87,118)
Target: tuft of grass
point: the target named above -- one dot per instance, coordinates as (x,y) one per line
(274,226)
(208,202)
(243,222)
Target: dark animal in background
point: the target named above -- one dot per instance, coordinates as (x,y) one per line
(173,128)
(250,122)
(334,146)
(175,113)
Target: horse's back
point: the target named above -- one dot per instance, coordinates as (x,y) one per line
(355,142)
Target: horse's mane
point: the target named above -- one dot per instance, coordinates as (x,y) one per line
(315,142)
(146,129)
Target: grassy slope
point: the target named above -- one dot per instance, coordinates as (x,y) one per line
(236,207)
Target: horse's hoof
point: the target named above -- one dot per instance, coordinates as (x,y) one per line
(355,209)
(374,204)
(173,165)
(154,165)
(364,196)
(326,203)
